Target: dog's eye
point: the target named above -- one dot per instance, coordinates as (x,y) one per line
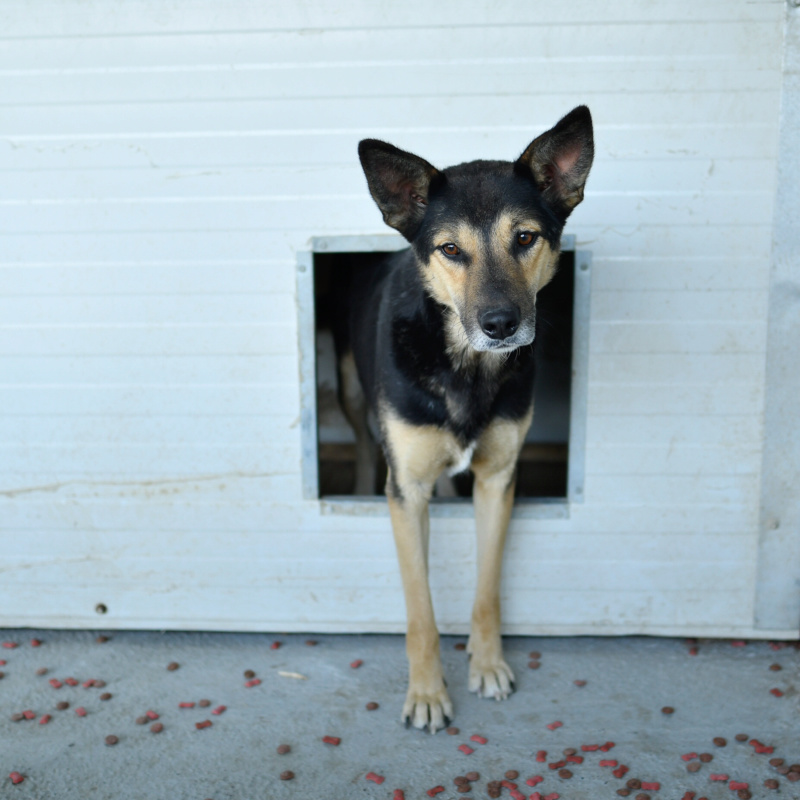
(450,249)
(526,238)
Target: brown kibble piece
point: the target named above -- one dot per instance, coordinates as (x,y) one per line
(643,796)
(668,710)
(793,776)
(473,776)
(771,783)
(569,751)
(371,706)
(204,703)
(741,737)
(776,762)
(283,749)
(744,794)
(99,684)
(534,665)
(694,766)
(564,773)
(287,775)
(464,788)
(706,757)
(311,642)
(512,775)
(794,767)
(535,654)
(62,705)
(156,727)
(623,792)
(634,783)
(459,646)
(111,740)
(249,674)
(775,667)
(142,720)
(172,666)
(106,696)
(453,731)
(493,793)
(460,780)
(782,770)
(719,741)
(494,785)
(101,639)
(17,717)
(41,671)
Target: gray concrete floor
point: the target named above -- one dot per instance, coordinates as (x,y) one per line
(721,691)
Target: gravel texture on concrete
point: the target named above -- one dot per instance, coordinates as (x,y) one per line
(307,692)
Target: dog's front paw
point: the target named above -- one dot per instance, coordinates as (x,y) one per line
(431,709)
(490,678)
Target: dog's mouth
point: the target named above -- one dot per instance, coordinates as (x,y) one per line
(523,336)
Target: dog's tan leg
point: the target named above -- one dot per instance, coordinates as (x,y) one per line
(494,466)
(417,456)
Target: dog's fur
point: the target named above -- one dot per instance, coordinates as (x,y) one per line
(439,346)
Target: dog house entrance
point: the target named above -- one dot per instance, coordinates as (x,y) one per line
(551,461)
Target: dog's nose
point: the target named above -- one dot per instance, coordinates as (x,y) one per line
(500,323)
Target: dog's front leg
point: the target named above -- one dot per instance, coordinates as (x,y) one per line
(494,466)
(417,458)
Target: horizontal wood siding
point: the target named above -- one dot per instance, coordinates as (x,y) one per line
(162,165)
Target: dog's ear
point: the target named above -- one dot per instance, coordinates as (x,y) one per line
(560,159)
(399,183)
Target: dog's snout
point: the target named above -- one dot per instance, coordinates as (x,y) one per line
(500,323)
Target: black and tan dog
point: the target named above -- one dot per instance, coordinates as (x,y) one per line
(439,346)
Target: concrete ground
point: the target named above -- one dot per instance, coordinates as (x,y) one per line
(721,691)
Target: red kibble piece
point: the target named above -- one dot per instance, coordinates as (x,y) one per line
(88,684)
(553,796)
(206,723)
(534,780)
(398,795)
(718,777)
(689,795)
(689,756)
(557,764)
(379,779)
(776,692)
(693,651)
(70,681)
(334,740)
(553,725)
(738,643)
(536,796)
(541,756)
(609,763)
(479,739)
(254,682)
(275,645)
(151,714)
(607,746)
(651,786)
(466,749)
(55,683)
(311,642)
(534,665)
(506,784)
(80,711)
(579,683)
(186,705)
(436,790)
(575,759)
(36,642)
(29,714)
(10,645)
(734,786)
(2,662)
(620,771)
(356,664)
(590,748)
(219,710)
(45,719)
(517,794)
(16,778)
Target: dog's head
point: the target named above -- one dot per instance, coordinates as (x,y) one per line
(486,234)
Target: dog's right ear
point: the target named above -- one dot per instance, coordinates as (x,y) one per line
(399,183)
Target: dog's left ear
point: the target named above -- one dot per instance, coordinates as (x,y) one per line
(399,182)
(560,160)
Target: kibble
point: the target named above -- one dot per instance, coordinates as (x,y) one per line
(283,749)
(623,792)
(461,780)
(744,794)
(668,710)
(206,723)
(172,666)
(634,783)
(249,674)
(793,776)
(16,777)
(334,740)
(694,766)
(534,665)
(741,737)
(512,774)
(535,654)
(141,720)
(719,741)
(41,671)
(62,705)
(579,682)
(111,740)
(156,727)
(459,646)
(106,696)
(771,783)
(356,664)
(706,757)
(642,796)
(287,775)
(204,703)
(776,762)
(775,667)
(101,639)
(564,773)
(371,706)
(473,776)
(464,789)
(311,642)
(453,731)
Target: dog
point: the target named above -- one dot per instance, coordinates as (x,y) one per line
(438,347)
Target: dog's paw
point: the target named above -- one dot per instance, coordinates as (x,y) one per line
(491,678)
(431,709)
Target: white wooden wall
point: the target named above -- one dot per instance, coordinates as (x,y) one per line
(162,164)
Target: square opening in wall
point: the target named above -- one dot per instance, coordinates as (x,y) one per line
(544,464)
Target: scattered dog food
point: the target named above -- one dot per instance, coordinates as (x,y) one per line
(580,682)
(334,740)
(248,673)
(106,696)
(554,725)
(219,710)
(16,777)
(356,664)
(371,776)
(173,665)
(451,731)
(372,706)
(45,719)
(287,775)
(253,682)
(80,711)
(275,645)
(719,741)
(204,703)
(62,705)
(111,740)
(186,705)
(478,738)
(156,727)
(206,723)
(283,749)
(466,749)
(668,710)
(436,790)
